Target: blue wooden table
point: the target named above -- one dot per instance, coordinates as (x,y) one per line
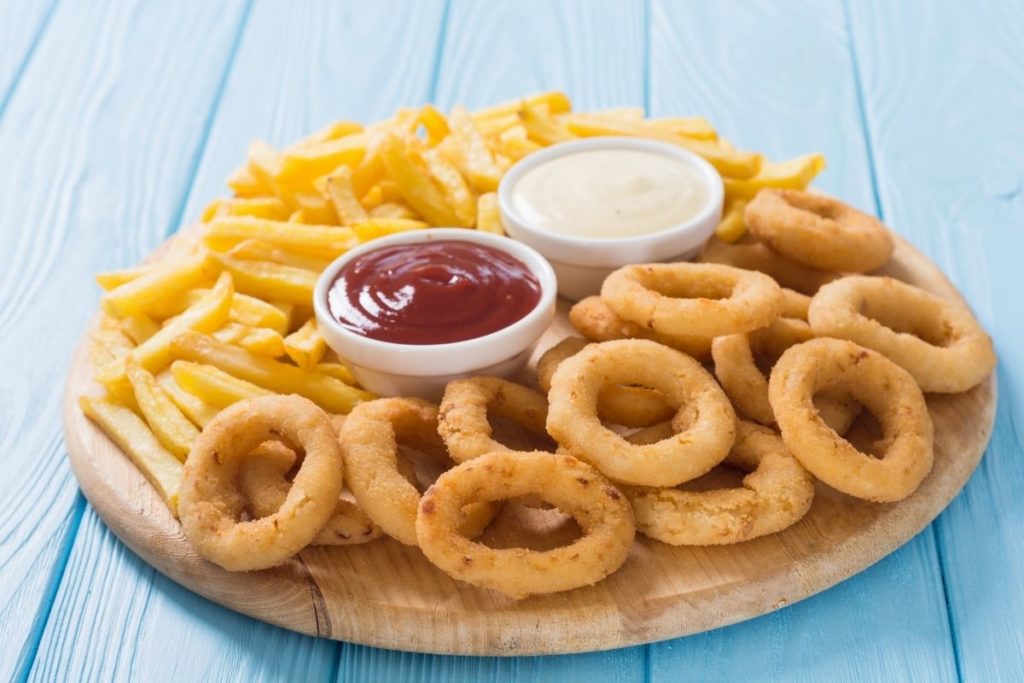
(120,120)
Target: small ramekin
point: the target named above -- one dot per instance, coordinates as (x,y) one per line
(583,263)
(423,370)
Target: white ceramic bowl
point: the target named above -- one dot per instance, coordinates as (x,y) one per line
(423,370)
(581,263)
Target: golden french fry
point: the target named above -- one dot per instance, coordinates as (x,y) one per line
(245,310)
(433,122)
(323,241)
(460,198)
(373,198)
(380,227)
(626,113)
(305,346)
(541,128)
(792,174)
(297,216)
(259,207)
(407,167)
(556,102)
(470,152)
(195,409)
(332,131)
(258,250)
(339,190)
(131,434)
(305,164)
(391,210)
(212,385)
(112,279)
(691,127)
(112,339)
(246,183)
(139,327)
(731,227)
(165,281)
(497,125)
(316,209)
(331,394)
(488,218)
(270,281)
(264,164)
(261,340)
(337,371)
(168,423)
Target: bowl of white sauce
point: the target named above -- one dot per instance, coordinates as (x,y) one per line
(593,205)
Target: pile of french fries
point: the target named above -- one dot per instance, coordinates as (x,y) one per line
(226,313)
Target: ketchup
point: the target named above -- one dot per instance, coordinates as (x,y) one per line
(432,292)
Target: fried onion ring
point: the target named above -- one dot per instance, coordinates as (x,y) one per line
(700,443)
(264,483)
(462,419)
(595,321)
(775,494)
(739,359)
(753,255)
(369,440)
(884,388)
(701,299)
(794,304)
(936,340)
(629,406)
(211,505)
(818,231)
(576,488)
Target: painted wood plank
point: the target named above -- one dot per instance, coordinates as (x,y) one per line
(944,106)
(78,197)
(295,69)
(594,52)
(22,25)
(777,77)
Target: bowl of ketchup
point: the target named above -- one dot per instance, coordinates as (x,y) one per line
(410,312)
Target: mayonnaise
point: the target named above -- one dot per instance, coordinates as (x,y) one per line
(610,193)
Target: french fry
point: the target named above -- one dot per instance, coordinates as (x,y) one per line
(337,371)
(316,209)
(392,210)
(496,125)
(169,424)
(731,227)
(305,346)
(131,434)
(331,394)
(380,227)
(470,152)
(407,167)
(212,385)
(373,198)
(371,169)
(488,218)
(112,339)
(696,127)
(297,216)
(792,174)
(305,164)
(729,162)
(556,102)
(541,128)
(112,279)
(245,310)
(245,183)
(453,185)
(323,241)
(259,207)
(339,190)
(168,280)
(264,164)
(261,340)
(625,113)
(258,250)
(139,327)
(433,122)
(332,131)
(270,281)
(195,409)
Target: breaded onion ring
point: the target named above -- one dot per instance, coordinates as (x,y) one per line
(819,231)
(739,359)
(753,255)
(702,299)
(369,440)
(595,321)
(211,506)
(794,304)
(775,495)
(701,442)
(263,482)
(629,406)
(936,340)
(573,486)
(462,419)
(884,388)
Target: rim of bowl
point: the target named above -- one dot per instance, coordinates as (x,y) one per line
(527,255)
(713,181)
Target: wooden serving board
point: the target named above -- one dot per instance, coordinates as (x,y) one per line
(388,595)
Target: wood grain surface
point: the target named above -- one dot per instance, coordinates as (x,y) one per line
(386,594)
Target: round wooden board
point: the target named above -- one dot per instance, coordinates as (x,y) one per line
(388,595)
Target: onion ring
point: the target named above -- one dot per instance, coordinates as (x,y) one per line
(753,255)
(369,440)
(595,321)
(701,299)
(626,405)
(775,495)
(746,384)
(211,506)
(818,231)
(687,387)
(937,341)
(794,304)
(576,488)
(462,419)
(263,482)
(884,388)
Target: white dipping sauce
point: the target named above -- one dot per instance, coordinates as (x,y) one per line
(610,193)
